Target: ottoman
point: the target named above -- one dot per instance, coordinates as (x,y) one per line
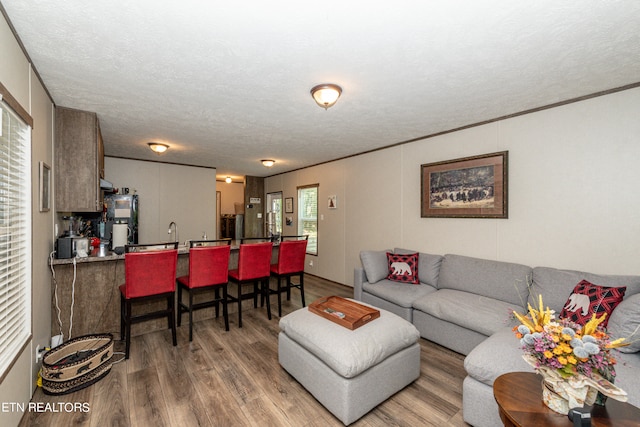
(349,372)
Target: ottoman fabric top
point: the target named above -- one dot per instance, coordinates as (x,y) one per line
(348,352)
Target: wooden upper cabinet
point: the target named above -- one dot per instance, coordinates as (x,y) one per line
(79,161)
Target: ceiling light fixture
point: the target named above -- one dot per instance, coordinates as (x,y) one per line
(326,94)
(156,147)
(228,180)
(268,163)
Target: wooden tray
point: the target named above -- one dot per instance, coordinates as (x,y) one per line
(344,312)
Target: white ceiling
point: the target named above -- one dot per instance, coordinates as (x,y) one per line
(226,83)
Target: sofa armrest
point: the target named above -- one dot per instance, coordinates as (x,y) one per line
(359,277)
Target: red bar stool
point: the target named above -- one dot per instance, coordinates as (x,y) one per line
(208,270)
(253,267)
(150,272)
(291,255)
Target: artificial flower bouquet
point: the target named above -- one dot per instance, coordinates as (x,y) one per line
(575,361)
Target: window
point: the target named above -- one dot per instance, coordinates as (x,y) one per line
(308,216)
(274,214)
(15,235)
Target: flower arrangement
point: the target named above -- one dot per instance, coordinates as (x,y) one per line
(565,346)
(570,355)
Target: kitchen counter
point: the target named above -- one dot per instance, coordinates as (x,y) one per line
(111,256)
(91,285)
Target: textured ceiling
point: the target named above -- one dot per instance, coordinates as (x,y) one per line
(226,84)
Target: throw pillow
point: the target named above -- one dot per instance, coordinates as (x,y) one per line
(588,298)
(374,264)
(403,267)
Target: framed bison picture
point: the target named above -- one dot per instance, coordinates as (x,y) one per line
(469,187)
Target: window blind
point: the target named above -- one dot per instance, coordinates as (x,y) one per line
(15,235)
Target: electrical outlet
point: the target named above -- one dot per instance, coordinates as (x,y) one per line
(39,353)
(310,263)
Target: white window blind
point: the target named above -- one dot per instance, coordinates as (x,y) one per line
(15,235)
(308,216)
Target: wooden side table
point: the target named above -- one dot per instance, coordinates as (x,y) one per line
(519,397)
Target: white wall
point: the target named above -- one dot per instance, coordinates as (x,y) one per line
(168,192)
(573,178)
(16,75)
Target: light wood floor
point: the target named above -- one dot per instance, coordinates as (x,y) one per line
(234,379)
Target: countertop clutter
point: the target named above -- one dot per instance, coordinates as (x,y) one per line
(111,256)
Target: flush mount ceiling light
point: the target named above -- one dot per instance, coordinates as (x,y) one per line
(228,180)
(326,94)
(267,162)
(156,147)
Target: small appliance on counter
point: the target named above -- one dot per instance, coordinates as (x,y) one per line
(72,243)
(70,247)
(120,234)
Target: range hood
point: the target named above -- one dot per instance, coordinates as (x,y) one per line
(105,185)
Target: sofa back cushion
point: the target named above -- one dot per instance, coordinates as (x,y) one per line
(375,265)
(503,281)
(625,323)
(428,266)
(556,285)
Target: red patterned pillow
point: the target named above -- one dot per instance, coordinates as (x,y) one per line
(588,298)
(403,267)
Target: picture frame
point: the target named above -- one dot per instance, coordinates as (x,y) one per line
(332,202)
(45,187)
(288,205)
(468,187)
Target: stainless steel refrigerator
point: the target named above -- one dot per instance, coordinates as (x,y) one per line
(122,208)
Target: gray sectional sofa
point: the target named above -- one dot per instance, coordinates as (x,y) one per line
(464,304)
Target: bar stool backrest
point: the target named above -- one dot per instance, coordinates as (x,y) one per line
(254,260)
(291,256)
(148,247)
(301,237)
(150,273)
(208,265)
(217,242)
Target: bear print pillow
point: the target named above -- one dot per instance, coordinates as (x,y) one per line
(588,298)
(403,268)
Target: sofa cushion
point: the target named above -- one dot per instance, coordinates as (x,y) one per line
(625,323)
(587,299)
(375,265)
(556,285)
(497,355)
(475,312)
(627,370)
(403,268)
(398,293)
(349,352)
(428,266)
(502,281)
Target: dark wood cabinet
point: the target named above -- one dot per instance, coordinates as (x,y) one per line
(79,161)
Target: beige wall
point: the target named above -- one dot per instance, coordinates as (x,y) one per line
(16,75)
(572,182)
(168,192)
(231,194)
